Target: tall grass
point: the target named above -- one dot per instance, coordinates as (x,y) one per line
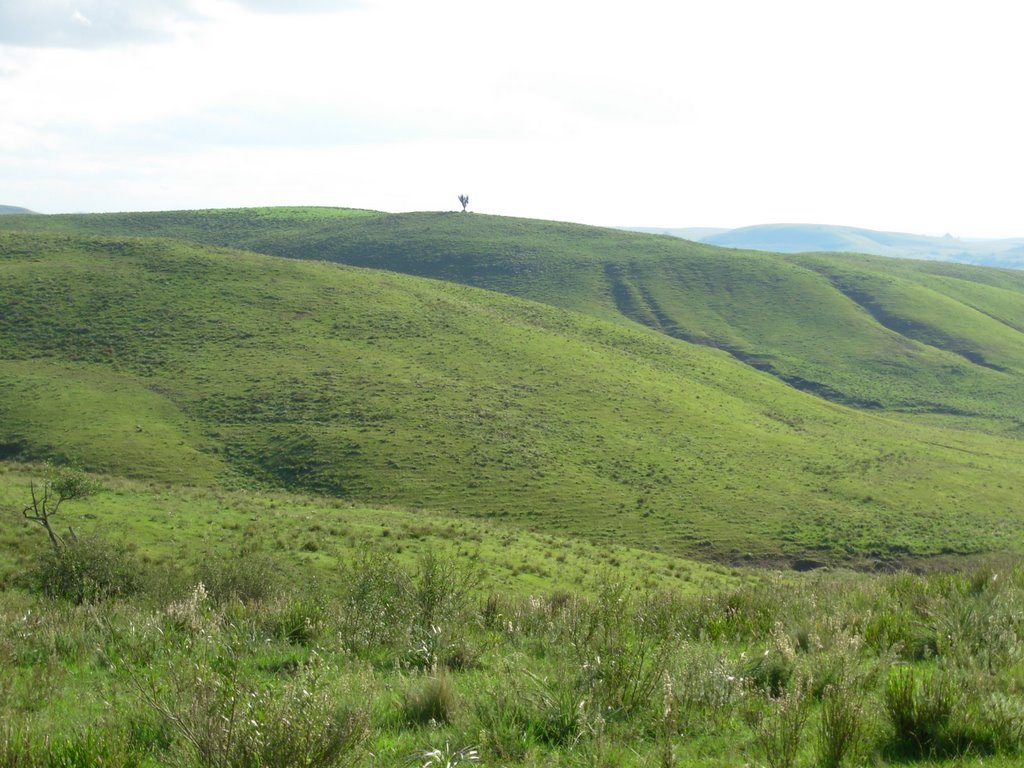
(621,676)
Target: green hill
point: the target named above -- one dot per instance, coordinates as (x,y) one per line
(189,363)
(915,337)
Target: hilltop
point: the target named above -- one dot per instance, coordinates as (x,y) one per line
(185,362)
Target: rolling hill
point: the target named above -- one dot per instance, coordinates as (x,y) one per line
(589,415)
(924,338)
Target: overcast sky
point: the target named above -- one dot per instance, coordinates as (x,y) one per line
(889,114)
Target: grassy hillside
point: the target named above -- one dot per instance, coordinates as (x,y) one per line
(181,362)
(915,337)
(184,528)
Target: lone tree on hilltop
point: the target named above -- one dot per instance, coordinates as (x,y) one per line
(464,199)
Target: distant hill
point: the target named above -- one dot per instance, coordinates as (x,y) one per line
(806,238)
(12,209)
(687,233)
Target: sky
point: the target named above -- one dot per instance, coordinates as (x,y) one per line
(899,115)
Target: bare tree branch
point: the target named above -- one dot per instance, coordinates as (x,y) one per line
(60,486)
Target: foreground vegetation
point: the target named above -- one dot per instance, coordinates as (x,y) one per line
(175,626)
(228,664)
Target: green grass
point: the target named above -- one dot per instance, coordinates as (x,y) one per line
(182,527)
(468,520)
(118,423)
(184,363)
(916,669)
(920,337)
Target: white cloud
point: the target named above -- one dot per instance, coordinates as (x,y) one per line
(297,6)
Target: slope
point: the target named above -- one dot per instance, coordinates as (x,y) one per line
(314,537)
(183,362)
(915,337)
